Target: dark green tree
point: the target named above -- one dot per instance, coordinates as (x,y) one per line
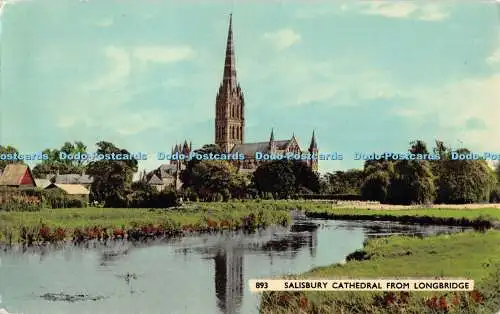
(189,180)
(343,182)
(276,177)
(464,181)
(112,178)
(306,180)
(378,175)
(8,150)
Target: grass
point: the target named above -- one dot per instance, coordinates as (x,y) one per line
(466,255)
(196,215)
(459,216)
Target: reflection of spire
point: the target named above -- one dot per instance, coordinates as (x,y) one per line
(229,280)
(313,243)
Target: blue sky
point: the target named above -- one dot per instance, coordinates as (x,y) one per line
(367,76)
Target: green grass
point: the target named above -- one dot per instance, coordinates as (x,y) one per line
(320,207)
(267,213)
(466,255)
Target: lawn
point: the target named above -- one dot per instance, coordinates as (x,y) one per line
(471,255)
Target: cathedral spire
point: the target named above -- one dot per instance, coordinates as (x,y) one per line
(229,63)
(313,144)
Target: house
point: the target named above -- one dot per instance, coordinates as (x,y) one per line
(74,191)
(42,183)
(168,174)
(73,178)
(18,176)
(156,182)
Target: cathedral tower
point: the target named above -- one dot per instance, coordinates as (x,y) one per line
(229,104)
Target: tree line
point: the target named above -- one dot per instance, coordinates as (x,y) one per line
(386,181)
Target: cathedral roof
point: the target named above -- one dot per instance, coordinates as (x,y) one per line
(249,149)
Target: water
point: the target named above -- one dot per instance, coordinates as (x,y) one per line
(202,274)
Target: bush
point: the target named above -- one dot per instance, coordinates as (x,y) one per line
(154,199)
(16,200)
(53,198)
(340,197)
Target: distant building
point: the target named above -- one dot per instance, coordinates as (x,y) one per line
(42,183)
(156,182)
(17,175)
(73,178)
(169,174)
(73,191)
(230,120)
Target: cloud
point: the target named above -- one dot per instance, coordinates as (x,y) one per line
(162,54)
(106,22)
(401,9)
(99,102)
(494,58)
(118,72)
(468,108)
(283,38)
(339,82)
(3,4)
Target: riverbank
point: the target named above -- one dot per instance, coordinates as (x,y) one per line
(90,223)
(52,225)
(474,255)
(477,216)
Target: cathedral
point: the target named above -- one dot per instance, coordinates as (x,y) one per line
(230,120)
(230,130)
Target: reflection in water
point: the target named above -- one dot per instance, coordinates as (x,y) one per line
(229,283)
(27,274)
(229,279)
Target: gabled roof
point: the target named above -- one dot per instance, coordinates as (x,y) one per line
(42,183)
(14,173)
(249,149)
(155,180)
(167,170)
(73,189)
(73,178)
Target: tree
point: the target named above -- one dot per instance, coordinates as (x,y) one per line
(211,177)
(112,178)
(276,177)
(376,186)
(186,175)
(54,164)
(344,182)
(412,183)
(418,147)
(305,178)
(378,175)
(8,150)
(464,181)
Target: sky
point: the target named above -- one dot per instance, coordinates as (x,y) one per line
(143,74)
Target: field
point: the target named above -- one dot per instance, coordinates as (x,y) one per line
(195,217)
(467,255)
(480,215)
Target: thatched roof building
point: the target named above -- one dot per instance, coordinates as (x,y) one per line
(17,175)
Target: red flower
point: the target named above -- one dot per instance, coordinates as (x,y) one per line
(442,303)
(432,302)
(476,296)
(303,302)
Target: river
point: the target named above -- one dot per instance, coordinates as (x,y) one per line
(197,274)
